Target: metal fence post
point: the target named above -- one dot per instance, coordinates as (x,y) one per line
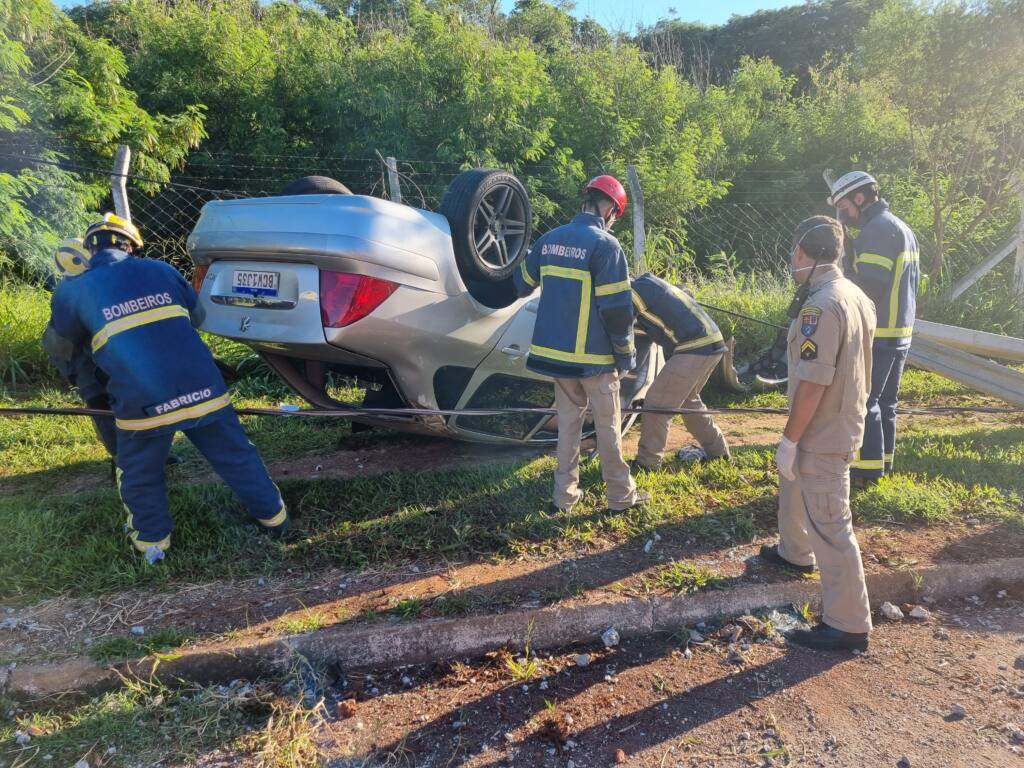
(119,181)
(394,185)
(1018,269)
(639,233)
(1019,264)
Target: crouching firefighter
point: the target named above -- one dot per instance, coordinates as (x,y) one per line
(886,266)
(693,346)
(136,316)
(583,337)
(72,259)
(829,357)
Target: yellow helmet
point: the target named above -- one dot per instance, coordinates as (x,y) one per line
(71,257)
(117,227)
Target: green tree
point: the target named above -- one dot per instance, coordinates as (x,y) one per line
(64,102)
(954,71)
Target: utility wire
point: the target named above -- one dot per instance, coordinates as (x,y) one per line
(356,412)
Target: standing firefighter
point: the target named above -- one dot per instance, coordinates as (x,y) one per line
(583,337)
(886,266)
(135,316)
(693,346)
(829,355)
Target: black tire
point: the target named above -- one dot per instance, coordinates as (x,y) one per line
(316,185)
(489,214)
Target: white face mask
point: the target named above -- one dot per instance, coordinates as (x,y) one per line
(794,271)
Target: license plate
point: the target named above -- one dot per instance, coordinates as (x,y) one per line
(254,283)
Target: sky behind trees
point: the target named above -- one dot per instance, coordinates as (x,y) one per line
(626,14)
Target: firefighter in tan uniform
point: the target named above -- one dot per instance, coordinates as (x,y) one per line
(829,351)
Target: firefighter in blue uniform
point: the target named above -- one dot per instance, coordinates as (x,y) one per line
(885,265)
(583,337)
(693,346)
(72,259)
(136,317)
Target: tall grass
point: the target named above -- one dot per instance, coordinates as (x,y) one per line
(24,312)
(763,296)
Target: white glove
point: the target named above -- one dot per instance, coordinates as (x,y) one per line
(785,458)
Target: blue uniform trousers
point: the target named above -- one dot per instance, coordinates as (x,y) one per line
(143,489)
(105,429)
(878,449)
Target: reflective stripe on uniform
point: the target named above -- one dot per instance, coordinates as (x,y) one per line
(527,277)
(192,412)
(571,357)
(890,331)
(874,258)
(641,308)
(583,323)
(142,546)
(703,341)
(609,288)
(859,463)
(104,334)
(894,333)
(629,349)
(710,338)
(276,520)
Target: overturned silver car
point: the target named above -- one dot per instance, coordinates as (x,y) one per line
(417,305)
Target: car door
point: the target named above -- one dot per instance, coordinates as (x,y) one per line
(503,381)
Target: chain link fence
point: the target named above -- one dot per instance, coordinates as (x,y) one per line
(737,232)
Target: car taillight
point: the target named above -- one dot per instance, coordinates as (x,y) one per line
(198,275)
(345,298)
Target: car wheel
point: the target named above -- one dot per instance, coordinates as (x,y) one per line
(490,218)
(316,185)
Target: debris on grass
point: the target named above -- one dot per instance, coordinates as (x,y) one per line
(610,637)
(146,723)
(891,612)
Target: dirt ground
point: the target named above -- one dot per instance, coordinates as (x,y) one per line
(263,607)
(674,702)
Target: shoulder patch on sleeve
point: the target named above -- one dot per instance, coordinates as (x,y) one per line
(808,350)
(809,320)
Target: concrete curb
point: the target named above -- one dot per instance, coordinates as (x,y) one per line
(387,645)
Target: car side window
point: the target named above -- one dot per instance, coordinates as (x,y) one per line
(504,391)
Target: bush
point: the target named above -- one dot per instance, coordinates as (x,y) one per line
(762,296)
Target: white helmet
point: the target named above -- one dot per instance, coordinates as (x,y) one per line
(847,183)
(71,257)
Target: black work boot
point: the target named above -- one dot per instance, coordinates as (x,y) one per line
(825,638)
(636,468)
(770,552)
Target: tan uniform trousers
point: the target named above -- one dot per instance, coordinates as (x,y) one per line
(816,526)
(572,397)
(679,385)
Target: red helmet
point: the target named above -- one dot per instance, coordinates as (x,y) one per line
(610,186)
